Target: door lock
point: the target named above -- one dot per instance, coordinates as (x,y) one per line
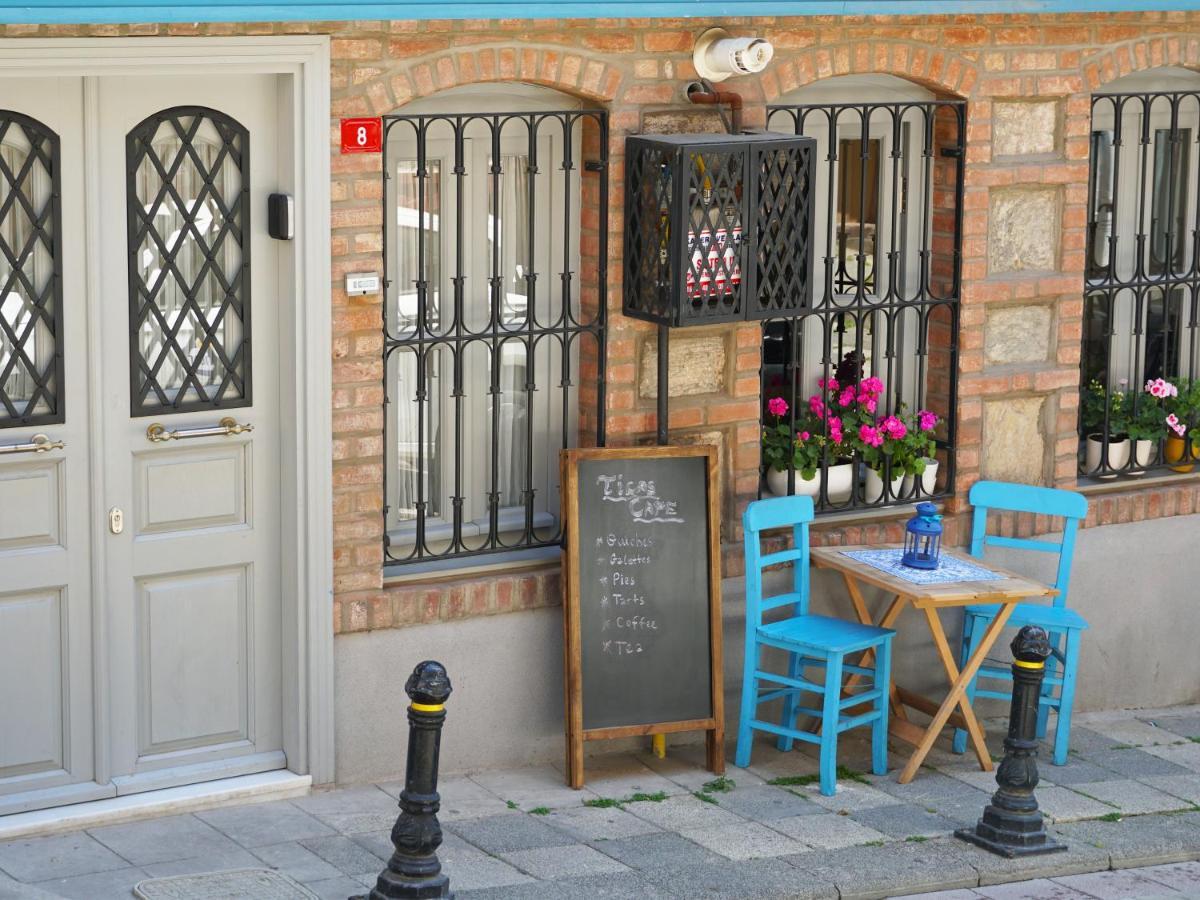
(116,520)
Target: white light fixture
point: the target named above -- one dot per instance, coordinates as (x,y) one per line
(717,55)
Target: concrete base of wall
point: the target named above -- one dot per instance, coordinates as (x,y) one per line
(1135,583)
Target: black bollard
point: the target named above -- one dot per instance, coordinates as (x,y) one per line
(1012,825)
(414,869)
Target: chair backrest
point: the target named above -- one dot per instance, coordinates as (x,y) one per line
(761,515)
(1068,505)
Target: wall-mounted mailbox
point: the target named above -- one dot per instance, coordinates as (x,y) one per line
(718,228)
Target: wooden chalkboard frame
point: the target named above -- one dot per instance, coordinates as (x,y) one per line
(576,734)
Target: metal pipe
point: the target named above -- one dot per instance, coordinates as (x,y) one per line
(704,93)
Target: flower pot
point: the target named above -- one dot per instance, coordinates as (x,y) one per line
(777,481)
(840,483)
(1118,455)
(1176,450)
(1143,455)
(873,488)
(928,479)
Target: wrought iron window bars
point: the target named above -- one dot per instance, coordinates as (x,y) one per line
(188,177)
(494,323)
(1142,285)
(31,315)
(889,190)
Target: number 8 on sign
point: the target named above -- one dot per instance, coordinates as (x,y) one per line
(363,135)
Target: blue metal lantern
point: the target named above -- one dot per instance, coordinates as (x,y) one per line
(923,538)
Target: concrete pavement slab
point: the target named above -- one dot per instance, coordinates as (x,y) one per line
(116,884)
(849,796)
(348,856)
(865,873)
(462,798)
(208,862)
(532,786)
(506,834)
(746,840)
(1125,884)
(765,802)
(679,813)
(1185,787)
(1060,804)
(1138,763)
(656,851)
(1184,877)
(1132,797)
(1138,840)
(618,886)
(904,821)
(260,824)
(65,855)
(160,840)
(1037,889)
(828,831)
(761,879)
(572,861)
(585,823)
(296,861)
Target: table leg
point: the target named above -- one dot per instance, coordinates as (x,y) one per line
(958,689)
(864,616)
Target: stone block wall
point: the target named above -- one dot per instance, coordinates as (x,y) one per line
(1027,80)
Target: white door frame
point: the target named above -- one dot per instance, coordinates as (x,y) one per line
(305,386)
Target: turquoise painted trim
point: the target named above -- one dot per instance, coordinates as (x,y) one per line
(69,12)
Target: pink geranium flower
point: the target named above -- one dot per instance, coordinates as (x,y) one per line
(816,406)
(777,406)
(893,428)
(804,435)
(835,430)
(926,420)
(1178,427)
(870,436)
(847,395)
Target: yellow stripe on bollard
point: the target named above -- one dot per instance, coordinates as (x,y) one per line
(1028,665)
(659,744)
(428,707)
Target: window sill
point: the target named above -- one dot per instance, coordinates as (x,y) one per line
(1092,486)
(459,568)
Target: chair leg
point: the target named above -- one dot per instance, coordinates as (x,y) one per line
(879,729)
(1066,699)
(973,630)
(1043,717)
(830,714)
(745,736)
(790,702)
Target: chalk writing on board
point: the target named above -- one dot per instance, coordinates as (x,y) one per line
(643,502)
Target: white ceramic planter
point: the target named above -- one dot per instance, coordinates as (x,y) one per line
(928,479)
(777,483)
(1118,455)
(873,486)
(1143,454)
(841,480)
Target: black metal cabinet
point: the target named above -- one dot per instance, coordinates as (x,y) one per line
(718,228)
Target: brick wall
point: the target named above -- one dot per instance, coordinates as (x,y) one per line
(1027,79)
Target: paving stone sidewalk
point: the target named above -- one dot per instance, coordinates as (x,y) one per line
(651,828)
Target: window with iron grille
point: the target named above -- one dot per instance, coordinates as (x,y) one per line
(884,319)
(31,350)
(1140,393)
(494,331)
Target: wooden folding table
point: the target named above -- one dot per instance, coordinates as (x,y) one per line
(1006,590)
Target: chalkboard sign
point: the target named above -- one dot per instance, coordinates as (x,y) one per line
(642,612)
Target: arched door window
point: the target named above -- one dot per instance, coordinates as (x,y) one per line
(31,351)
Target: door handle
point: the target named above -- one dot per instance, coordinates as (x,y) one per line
(39,443)
(227,427)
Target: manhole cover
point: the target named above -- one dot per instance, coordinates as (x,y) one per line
(260,884)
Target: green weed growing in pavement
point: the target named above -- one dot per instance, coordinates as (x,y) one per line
(707,798)
(1110,817)
(720,785)
(1123,747)
(511,804)
(540,811)
(1195,739)
(916,839)
(603,803)
(639,797)
(794,780)
(872,844)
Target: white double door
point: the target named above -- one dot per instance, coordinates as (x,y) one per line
(140,608)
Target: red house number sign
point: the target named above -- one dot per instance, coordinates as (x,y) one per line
(362,135)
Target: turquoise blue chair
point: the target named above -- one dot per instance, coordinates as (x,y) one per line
(809,641)
(1064,625)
